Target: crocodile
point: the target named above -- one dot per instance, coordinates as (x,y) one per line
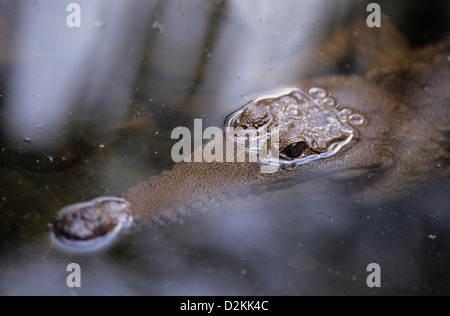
(385,129)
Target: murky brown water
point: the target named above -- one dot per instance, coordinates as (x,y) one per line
(88,112)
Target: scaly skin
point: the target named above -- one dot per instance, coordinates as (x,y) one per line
(405,99)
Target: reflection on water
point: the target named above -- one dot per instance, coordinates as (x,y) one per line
(316,249)
(88,112)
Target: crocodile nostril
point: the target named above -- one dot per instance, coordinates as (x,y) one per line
(92,224)
(85,224)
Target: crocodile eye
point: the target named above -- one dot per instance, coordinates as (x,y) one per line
(295,150)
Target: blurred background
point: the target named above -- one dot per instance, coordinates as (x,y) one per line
(88,111)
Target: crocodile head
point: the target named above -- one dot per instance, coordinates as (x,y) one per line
(310,123)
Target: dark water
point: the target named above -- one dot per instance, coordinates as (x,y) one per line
(88,111)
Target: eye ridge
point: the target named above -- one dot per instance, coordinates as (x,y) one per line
(295,150)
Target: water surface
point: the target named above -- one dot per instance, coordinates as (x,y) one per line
(88,112)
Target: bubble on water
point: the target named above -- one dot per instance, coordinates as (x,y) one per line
(356,119)
(329,101)
(157,26)
(243,272)
(207,53)
(344,113)
(318,92)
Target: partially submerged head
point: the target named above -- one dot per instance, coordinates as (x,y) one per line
(309,122)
